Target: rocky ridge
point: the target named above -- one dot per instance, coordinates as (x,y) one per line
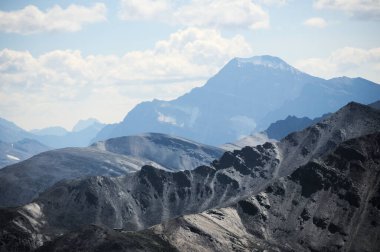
(329,204)
(151,196)
(22,182)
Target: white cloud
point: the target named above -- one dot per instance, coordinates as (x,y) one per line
(362,9)
(273,2)
(108,86)
(31,20)
(347,61)
(144,9)
(316,22)
(223,13)
(167,119)
(201,13)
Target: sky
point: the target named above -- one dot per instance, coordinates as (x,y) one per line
(62,61)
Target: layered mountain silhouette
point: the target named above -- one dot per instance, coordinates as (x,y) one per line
(50,131)
(252,186)
(53,137)
(11,133)
(17,144)
(22,182)
(244,97)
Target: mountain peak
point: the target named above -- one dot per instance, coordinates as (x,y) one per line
(265,61)
(83,124)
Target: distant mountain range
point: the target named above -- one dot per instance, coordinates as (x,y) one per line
(54,137)
(244,97)
(331,168)
(17,144)
(50,131)
(80,136)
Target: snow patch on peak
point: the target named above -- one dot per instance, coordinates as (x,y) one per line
(13,157)
(265,61)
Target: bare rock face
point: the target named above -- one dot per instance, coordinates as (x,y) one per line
(22,182)
(326,205)
(152,195)
(351,121)
(262,191)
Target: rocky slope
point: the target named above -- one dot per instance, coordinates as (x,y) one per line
(22,182)
(173,153)
(96,238)
(251,140)
(246,95)
(351,121)
(151,196)
(375,105)
(329,204)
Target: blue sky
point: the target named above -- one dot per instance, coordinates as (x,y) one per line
(61,61)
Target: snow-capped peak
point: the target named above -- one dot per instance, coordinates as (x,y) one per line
(265,61)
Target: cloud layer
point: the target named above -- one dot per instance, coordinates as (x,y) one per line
(64,82)
(202,13)
(31,19)
(362,9)
(347,61)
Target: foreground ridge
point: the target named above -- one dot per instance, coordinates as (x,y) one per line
(152,196)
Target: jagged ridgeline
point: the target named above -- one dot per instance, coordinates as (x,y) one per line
(257,196)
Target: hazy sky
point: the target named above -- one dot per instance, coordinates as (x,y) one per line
(61,61)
